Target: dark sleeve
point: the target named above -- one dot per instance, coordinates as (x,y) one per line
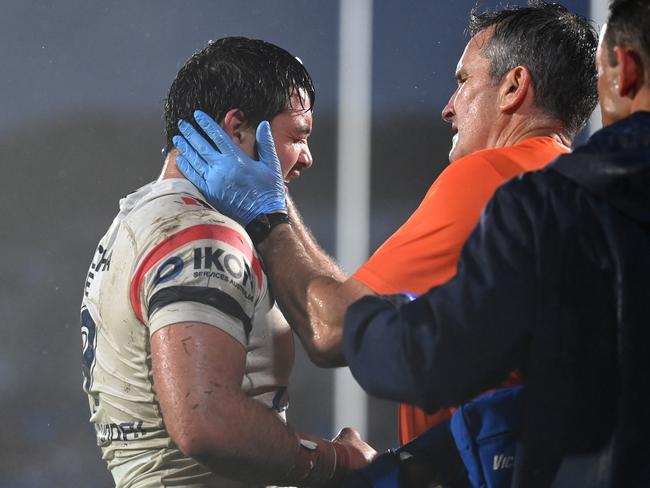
(459,338)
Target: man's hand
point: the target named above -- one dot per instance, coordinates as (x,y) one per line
(235,184)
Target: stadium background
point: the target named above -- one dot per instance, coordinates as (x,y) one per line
(82,88)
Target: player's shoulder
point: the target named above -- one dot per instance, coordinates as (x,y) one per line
(182,244)
(174,207)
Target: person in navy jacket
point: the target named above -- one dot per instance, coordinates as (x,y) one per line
(555,280)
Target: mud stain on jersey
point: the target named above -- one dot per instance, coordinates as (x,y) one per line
(168,224)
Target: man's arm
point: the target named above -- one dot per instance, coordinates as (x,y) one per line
(198,371)
(311,289)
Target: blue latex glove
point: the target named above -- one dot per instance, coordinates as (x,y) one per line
(235,184)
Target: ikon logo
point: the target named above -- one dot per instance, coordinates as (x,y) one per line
(169,270)
(207,258)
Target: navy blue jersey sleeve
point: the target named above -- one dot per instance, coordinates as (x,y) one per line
(459,338)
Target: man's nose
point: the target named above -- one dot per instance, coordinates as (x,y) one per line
(448,112)
(305,158)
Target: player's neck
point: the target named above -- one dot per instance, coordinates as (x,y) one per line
(170,170)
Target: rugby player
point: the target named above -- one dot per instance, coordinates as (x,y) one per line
(186,356)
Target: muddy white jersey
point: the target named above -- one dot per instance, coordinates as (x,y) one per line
(169,257)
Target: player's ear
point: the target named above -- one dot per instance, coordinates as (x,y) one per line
(237,127)
(514,88)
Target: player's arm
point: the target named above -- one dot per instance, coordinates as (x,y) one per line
(311,290)
(198,371)
(461,337)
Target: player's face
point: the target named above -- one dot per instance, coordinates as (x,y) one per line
(291,130)
(472,108)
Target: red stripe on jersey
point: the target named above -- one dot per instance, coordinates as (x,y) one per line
(190,201)
(166,247)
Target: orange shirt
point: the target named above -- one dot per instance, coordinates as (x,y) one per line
(424,252)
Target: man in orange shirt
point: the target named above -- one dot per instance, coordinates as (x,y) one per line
(526,85)
(424,252)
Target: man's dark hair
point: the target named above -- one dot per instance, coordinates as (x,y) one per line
(629,25)
(254,76)
(557,46)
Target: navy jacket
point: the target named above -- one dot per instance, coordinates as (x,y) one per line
(554,280)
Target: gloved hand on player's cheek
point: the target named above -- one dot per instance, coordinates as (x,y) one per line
(234,183)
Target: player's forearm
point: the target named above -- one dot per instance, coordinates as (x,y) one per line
(198,370)
(311,294)
(239,438)
(205,411)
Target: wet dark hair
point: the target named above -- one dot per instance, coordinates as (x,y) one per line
(629,25)
(251,75)
(557,46)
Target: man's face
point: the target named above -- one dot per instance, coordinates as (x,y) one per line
(472,108)
(291,130)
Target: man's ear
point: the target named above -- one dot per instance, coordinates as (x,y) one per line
(236,126)
(630,71)
(514,88)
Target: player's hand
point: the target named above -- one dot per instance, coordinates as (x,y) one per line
(331,461)
(359,453)
(235,184)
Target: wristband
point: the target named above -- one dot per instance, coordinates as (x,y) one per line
(341,464)
(260,227)
(316,464)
